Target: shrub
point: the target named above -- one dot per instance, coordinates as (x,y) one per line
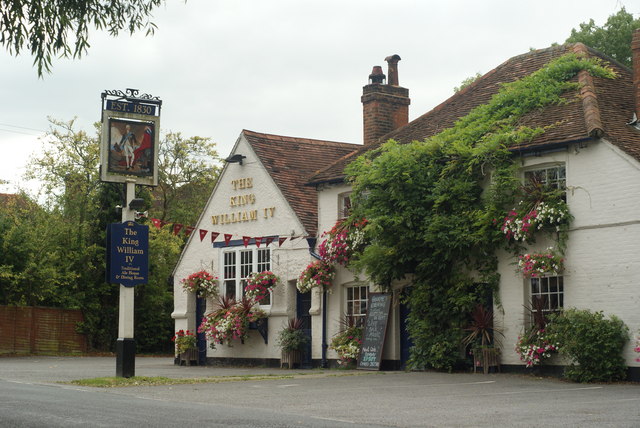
(592,343)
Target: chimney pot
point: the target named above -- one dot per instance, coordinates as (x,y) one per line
(376,76)
(393,69)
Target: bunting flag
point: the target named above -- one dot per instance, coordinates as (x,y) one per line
(268,240)
(163,223)
(245,240)
(156,222)
(176,228)
(214,235)
(258,241)
(188,230)
(203,233)
(227,238)
(281,240)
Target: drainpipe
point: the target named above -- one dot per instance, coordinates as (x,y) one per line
(325,345)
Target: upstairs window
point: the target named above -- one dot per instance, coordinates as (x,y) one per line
(344,205)
(549,178)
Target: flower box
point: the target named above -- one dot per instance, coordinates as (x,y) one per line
(290,358)
(189,357)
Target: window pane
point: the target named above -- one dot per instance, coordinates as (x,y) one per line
(230,289)
(553,285)
(535,287)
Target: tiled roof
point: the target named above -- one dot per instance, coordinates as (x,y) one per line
(291,161)
(601,108)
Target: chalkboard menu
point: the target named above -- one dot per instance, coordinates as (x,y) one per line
(375,327)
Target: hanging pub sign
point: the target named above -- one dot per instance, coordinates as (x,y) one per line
(127,253)
(130,137)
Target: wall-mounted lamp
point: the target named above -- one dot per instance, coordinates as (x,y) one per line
(237,158)
(136,204)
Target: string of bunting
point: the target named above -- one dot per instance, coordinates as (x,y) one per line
(188,230)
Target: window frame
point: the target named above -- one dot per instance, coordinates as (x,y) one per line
(352,302)
(344,205)
(246,260)
(553,295)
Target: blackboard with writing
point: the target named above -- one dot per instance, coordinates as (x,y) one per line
(375,327)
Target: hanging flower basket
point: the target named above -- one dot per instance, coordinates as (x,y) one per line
(259,285)
(520,224)
(540,264)
(202,283)
(230,322)
(535,346)
(342,241)
(317,274)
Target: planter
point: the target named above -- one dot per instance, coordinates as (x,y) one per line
(290,358)
(489,357)
(189,357)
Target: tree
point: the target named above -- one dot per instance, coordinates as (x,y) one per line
(44,26)
(186,177)
(468,81)
(613,38)
(55,255)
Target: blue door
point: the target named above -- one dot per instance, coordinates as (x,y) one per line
(201,340)
(303,304)
(405,340)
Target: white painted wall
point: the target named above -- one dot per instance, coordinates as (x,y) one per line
(287,261)
(602,265)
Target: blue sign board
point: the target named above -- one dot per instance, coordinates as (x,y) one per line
(127,107)
(127,253)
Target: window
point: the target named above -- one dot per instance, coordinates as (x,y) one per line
(344,205)
(549,290)
(357,304)
(554,177)
(238,264)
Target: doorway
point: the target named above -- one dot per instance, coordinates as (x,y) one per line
(303,305)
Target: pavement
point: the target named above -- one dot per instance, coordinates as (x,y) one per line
(51,369)
(312,398)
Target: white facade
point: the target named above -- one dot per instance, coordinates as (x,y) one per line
(245,202)
(602,266)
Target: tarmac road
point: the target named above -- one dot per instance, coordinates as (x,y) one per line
(30,396)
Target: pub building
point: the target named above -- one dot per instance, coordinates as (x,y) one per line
(288,191)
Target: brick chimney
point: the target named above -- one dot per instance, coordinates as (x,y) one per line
(635,65)
(385,106)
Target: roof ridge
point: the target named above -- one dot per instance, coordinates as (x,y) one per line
(286,138)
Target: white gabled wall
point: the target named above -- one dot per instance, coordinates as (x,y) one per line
(233,196)
(602,265)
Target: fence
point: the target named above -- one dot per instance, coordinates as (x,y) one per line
(36,330)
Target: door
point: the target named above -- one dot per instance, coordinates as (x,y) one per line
(303,304)
(201,340)
(405,340)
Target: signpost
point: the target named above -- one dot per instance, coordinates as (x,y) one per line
(128,154)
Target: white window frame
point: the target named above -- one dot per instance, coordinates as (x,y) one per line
(344,205)
(545,171)
(245,262)
(551,287)
(356,303)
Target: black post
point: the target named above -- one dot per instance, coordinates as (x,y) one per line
(324,364)
(125,357)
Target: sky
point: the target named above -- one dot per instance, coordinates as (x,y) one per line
(286,67)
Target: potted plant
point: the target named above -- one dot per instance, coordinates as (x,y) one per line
(186,348)
(347,343)
(482,339)
(292,340)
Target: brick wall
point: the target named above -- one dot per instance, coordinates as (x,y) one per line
(36,330)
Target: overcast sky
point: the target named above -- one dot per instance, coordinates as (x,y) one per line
(288,67)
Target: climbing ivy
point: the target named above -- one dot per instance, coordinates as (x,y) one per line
(430,207)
